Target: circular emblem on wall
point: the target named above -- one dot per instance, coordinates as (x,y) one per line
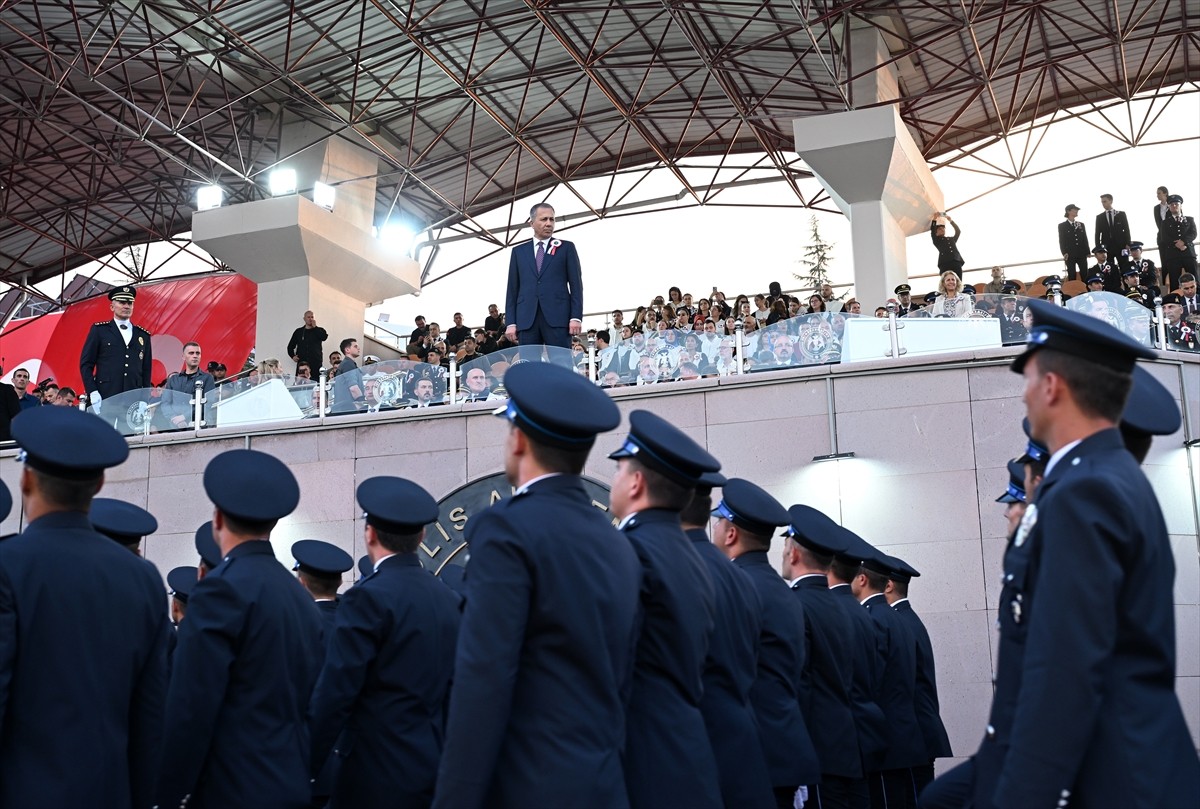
(445,540)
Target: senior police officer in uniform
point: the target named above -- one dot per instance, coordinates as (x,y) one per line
(83,632)
(387,674)
(668,760)
(248,655)
(116,355)
(904,301)
(124,523)
(319,568)
(545,650)
(731,664)
(813,539)
(747,517)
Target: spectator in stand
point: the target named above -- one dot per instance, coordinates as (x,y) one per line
(687,307)
(334,359)
(307,342)
(1073,243)
(181,387)
(1132,289)
(778,312)
(1148,275)
(484,343)
(618,323)
(47,391)
(423,394)
(1112,230)
(703,313)
(1162,209)
(904,301)
(468,352)
(1012,326)
(303,373)
(475,386)
(853,307)
(720,307)
(949,259)
(269,369)
(794,307)
(1187,294)
(458,332)
(688,370)
(674,297)
(1106,269)
(420,331)
(996,285)
(815,304)
(20,382)
(761,310)
(880,311)
(348,394)
(1179,254)
(493,324)
(647,371)
(10,407)
(1180,334)
(832,304)
(951,301)
(726,364)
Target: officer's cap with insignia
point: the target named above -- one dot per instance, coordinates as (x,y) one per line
(856,549)
(1172,297)
(396,505)
(1095,279)
(930,297)
(180,581)
(6,501)
(876,561)
(124,294)
(320,558)
(664,448)
(250,485)
(1175,198)
(121,521)
(901,570)
(1099,249)
(1015,493)
(969,289)
(815,530)
(1129,272)
(1150,409)
(1034,449)
(750,507)
(67,443)
(556,406)
(1051,280)
(1011,286)
(1079,335)
(1135,246)
(206,546)
(903,289)
(1070,208)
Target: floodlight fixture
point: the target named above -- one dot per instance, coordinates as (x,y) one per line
(282,182)
(324,195)
(833,456)
(396,237)
(209,197)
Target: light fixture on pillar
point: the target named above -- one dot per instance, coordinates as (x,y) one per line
(282,182)
(395,236)
(209,197)
(324,195)
(833,456)
(830,403)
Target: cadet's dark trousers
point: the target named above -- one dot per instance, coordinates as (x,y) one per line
(836,792)
(1074,263)
(892,789)
(922,777)
(785,797)
(954,790)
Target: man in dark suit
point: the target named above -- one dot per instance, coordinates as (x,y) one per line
(929,716)
(1179,244)
(1073,243)
(813,539)
(83,632)
(544,303)
(731,665)
(546,645)
(10,406)
(387,675)
(668,760)
(1095,717)
(1112,231)
(116,354)
(247,657)
(747,516)
(319,568)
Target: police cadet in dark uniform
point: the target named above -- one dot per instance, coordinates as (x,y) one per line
(1132,289)
(545,650)
(1012,320)
(828,679)
(6,504)
(892,786)
(180,581)
(124,523)
(731,665)
(904,300)
(319,568)
(1107,269)
(1148,275)
(747,517)
(116,354)
(667,758)
(83,632)
(929,715)
(207,550)
(248,655)
(387,674)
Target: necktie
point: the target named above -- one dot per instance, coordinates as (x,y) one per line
(1110,218)
(540,256)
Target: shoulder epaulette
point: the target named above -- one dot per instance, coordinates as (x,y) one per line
(143,328)
(102,322)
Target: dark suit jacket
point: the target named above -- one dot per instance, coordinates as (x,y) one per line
(828,678)
(83,667)
(545,656)
(1073,241)
(729,672)
(109,366)
(667,758)
(786,743)
(929,715)
(1096,713)
(558,291)
(249,652)
(867,646)
(10,406)
(384,684)
(1160,218)
(1116,238)
(1176,230)
(897,692)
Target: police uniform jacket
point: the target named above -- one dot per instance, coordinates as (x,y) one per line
(1096,720)
(328,610)
(83,657)
(248,656)
(897,690)
(109,366)
(1148,275)
(1072,239)
(668,760)
(384,683)
(947,246)
(929,715)
(1110,273)
(827,679)
(729,671)
(1175,229)
(867,647)
(786,743)
(545,656)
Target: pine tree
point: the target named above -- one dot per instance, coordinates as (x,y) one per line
(817,256)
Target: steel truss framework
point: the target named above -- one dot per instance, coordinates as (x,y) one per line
(112,113)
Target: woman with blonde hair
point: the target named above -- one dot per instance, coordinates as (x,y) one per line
(951,300)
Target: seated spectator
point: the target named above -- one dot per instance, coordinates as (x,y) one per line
(476,387)
(269,369)
(880,311)
(424,394)
(688,370)
(457,333)
(1012,321)
(703,313)
(47,391)
(468,352)
(303,373)
(726,364)
(815,304)
(67,397)
(996,285)
(180,388)
(761,310)
(674,298)
(434,372)
(1181,335)
(420,331)
(611,379)
(852,307)
(687,307)
(493,324)
(951,301)
(647,371)
(794,307)
(777,313)
(484,343)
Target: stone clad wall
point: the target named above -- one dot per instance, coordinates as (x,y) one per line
(931,438)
